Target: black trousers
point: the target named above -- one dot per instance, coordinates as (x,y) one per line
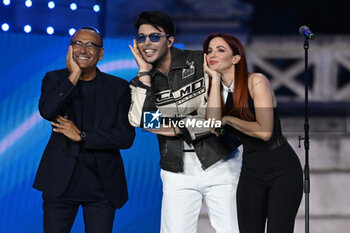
(59,215)
(272,194)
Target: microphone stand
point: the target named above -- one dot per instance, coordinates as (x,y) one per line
(306,142)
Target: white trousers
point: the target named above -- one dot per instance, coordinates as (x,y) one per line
(183,194)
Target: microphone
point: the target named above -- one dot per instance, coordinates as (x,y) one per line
(306,32)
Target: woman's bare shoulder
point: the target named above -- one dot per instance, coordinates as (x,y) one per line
(255,79)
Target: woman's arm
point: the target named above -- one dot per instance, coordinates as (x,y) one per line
(213,109)
(264,102)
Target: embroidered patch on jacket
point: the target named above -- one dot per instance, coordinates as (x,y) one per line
(189,71)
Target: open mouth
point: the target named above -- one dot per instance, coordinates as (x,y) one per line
(83,57)
(149,52)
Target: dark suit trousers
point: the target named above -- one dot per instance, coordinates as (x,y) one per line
(59,215)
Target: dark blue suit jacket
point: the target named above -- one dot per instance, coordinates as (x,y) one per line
(111,132)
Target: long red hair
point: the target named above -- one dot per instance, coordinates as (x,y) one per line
(240,90)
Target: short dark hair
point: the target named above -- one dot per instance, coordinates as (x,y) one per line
(156,19)
(91,29)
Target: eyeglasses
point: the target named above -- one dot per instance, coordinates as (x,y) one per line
(154,37)
(88,45)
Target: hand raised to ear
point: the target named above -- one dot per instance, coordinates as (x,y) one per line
(72,66)
(143,65)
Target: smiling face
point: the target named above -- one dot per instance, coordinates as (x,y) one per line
(154,52)
(87,56)
(220,56)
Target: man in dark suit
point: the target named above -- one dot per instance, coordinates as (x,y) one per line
(81,164)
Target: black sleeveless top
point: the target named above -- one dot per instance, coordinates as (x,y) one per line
(253,144)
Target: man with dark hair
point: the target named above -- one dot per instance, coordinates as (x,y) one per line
(157,19)
(81,164)
(195,164)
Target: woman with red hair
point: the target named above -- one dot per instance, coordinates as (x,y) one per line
(270,184)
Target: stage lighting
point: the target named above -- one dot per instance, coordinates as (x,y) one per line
(6,2)
(50,30)
(28,3)
(71,31)
(96,8)
(73,6)
(51,4)
(27,28)
(5,27)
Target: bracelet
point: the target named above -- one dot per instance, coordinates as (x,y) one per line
(139,74)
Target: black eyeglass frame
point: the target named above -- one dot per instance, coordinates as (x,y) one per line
(80,44)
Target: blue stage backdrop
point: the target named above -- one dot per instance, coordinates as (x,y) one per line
(24,61)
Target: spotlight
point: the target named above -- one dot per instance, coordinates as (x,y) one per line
(27,28)
(71,31)
(51,4)
(73,6)
(6,2)
(50,30)
(5,27)
(28,3)
(96,8)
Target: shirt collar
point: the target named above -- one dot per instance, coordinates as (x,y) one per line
(227,89)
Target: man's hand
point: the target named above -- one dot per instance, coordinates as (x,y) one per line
(67,127)
(73,67)
(143,65)
(166,131)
